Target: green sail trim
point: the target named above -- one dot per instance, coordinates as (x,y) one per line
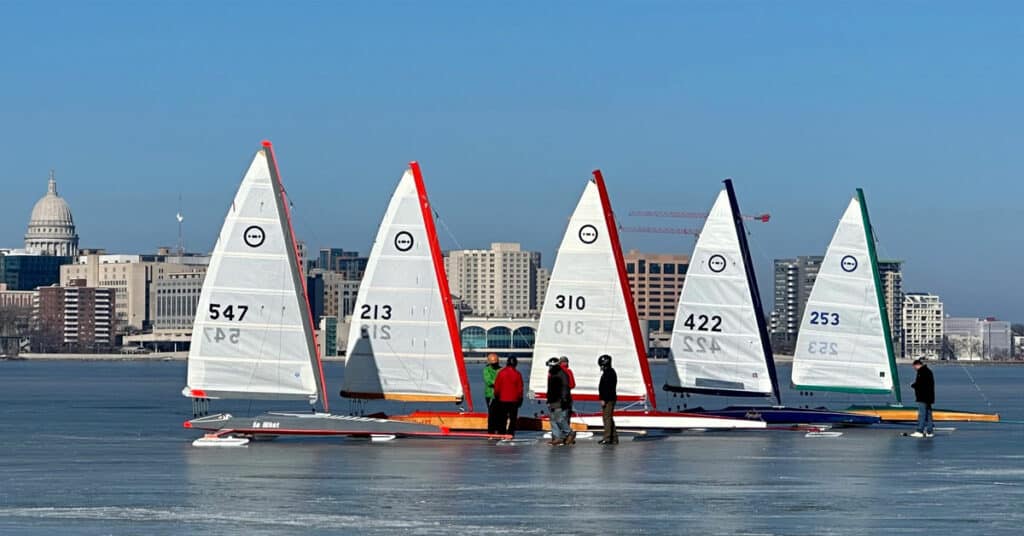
(855,390)
(873,255)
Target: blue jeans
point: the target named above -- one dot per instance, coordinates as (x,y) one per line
(559,423)
(924,418)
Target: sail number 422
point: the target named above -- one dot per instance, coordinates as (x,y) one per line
(703,322)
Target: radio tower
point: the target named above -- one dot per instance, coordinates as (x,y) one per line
(181,238)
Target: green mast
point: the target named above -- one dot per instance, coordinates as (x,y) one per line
(873,255)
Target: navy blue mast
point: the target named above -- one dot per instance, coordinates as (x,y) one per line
(755,295)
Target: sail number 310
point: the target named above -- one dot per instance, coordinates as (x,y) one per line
(570,302)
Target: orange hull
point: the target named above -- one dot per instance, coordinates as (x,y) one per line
(454,420)
(910,415)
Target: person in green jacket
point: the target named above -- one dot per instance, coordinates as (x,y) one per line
(490,373)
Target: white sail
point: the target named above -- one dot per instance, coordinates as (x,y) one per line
(400,343)
(716,343)
(584,313)
(842,345)
(252,336)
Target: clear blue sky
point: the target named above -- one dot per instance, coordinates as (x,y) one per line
(509,106)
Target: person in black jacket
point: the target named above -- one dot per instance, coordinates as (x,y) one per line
(924,393)
(559,403)
(606,392)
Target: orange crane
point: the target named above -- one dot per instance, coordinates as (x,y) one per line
(763,218)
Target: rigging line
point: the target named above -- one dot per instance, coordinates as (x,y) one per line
(976,386)
(446,229)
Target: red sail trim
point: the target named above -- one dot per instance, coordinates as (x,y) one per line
(592,397)
(627,295)
(442,282)
(302,278)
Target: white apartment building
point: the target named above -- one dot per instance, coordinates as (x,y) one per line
(922,326)
(501,281)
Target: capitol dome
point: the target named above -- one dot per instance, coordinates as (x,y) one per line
(51,229)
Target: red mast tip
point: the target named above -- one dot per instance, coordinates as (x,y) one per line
(266,143)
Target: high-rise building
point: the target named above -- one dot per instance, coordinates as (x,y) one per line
(74,318)
(133,279)
(922,326)
(327,335)
(794,279)
(543,278)
(973,339)
(51,229)
(656,280)
(348,263)
(501,281)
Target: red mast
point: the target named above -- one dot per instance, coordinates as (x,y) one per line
(442,282)
(302,279)
(627,295)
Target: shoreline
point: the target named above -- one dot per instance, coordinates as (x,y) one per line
(182,356)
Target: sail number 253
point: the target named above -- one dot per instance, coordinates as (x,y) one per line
(228,312)
(824,318)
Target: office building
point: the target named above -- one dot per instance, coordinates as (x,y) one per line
(133,278)
(177,295)
(975,339)
(21,270)
(496,282)
(922,326)
(656,280)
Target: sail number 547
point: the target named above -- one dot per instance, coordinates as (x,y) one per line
(228,312)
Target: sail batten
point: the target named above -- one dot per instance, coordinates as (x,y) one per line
(717,346)
(587,309)
(252,337)
(843,341)
(403,344)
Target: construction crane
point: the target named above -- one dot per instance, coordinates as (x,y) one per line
(661,230)
(763,218)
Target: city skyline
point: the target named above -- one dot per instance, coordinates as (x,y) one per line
(918,107)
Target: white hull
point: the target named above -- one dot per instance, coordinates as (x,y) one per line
(670,422)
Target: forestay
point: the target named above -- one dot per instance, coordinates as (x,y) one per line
(716,343)
(585,313)
(252,336)
(842,344)
(403,343)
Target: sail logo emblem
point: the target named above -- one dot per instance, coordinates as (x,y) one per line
(716,263)
(588,234)
(254,236)
(403,241)
(848,263)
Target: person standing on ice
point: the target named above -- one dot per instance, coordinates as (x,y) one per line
(490,373)
(606,392)
(924,393)
(559,402)
(508,395)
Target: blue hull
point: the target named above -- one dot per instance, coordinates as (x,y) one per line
(784,415)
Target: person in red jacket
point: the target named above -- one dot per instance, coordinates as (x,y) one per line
(564,362)
(508,394)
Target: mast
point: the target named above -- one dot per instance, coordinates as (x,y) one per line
(442,282)
(296,269)
(873,255)
(755,294)
(627,295)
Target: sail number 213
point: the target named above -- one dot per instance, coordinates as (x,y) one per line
(375,312)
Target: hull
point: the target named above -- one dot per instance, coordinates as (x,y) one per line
(784,415)
(455,420)
(909,414)
(317,424)
(663,420)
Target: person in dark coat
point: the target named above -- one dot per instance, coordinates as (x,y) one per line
(508,394)
(559,402)
(924,393)
(606,393)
